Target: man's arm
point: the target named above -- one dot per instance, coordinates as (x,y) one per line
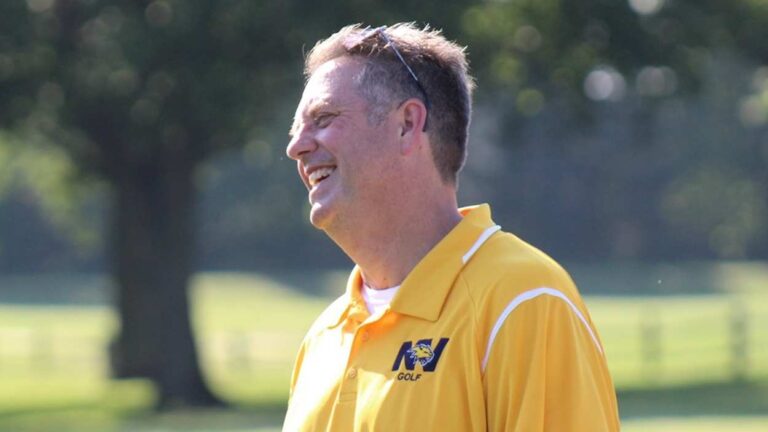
(545,369)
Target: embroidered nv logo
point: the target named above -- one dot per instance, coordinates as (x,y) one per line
(422,352)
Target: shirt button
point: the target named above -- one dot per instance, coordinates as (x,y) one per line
(352,373)
(365,336)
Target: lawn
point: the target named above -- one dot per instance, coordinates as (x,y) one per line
(676,355)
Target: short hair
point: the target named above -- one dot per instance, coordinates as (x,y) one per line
(442,70)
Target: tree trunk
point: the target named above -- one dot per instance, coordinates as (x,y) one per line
(153,227)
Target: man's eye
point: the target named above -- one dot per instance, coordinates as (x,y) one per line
(323,120)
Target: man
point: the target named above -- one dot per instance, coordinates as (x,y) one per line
(447,323)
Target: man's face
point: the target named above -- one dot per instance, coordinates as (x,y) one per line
(345,161)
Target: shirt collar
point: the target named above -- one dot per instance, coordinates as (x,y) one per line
(426,287)
(423,292)
(351,303)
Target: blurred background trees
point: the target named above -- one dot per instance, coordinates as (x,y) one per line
(603,130)
(138,94)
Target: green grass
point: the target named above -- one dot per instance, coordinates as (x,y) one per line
(728,406)
(697,424)
(53,372)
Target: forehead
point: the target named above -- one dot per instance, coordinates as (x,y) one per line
(334,82)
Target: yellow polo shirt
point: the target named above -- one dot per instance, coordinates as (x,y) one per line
(486,333)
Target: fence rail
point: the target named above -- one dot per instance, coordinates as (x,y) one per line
(656,348)
(659,346)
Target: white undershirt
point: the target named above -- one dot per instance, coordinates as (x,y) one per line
(377,300)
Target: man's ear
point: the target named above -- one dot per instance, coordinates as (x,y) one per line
(413,117)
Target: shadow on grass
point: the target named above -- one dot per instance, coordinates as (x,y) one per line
(104,417)
(737,398)
(721,399)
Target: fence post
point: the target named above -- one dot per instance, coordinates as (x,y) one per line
(650,343)
(739,331)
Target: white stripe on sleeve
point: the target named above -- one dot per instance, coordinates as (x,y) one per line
(480,240)
(528,295)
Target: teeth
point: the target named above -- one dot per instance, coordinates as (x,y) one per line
(319,175)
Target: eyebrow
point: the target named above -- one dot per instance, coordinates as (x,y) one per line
(294,126)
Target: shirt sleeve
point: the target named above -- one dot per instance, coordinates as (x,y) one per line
(545,370)
(296,369)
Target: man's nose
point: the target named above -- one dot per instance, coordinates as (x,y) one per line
(302,142)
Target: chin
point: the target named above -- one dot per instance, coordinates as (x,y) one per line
(319,216)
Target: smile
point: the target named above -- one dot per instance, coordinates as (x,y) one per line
(319,175)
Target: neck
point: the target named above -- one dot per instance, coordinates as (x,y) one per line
(389,244)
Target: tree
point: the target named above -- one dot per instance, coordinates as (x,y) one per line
(140,94)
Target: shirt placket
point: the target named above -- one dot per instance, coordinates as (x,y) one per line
(354,328)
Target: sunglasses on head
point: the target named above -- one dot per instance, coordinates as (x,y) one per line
(380,32)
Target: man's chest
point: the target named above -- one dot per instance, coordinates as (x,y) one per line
(391,372)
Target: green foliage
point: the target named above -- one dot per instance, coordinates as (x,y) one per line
(123,87)
(728,209)
(126,82)
(656,47)
(128,79)
(45,175)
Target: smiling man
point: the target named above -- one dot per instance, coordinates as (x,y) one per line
(447,322)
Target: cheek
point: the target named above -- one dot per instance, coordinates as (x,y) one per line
(330,139)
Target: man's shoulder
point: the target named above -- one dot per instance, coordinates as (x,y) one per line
(509,275)
(507,266)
